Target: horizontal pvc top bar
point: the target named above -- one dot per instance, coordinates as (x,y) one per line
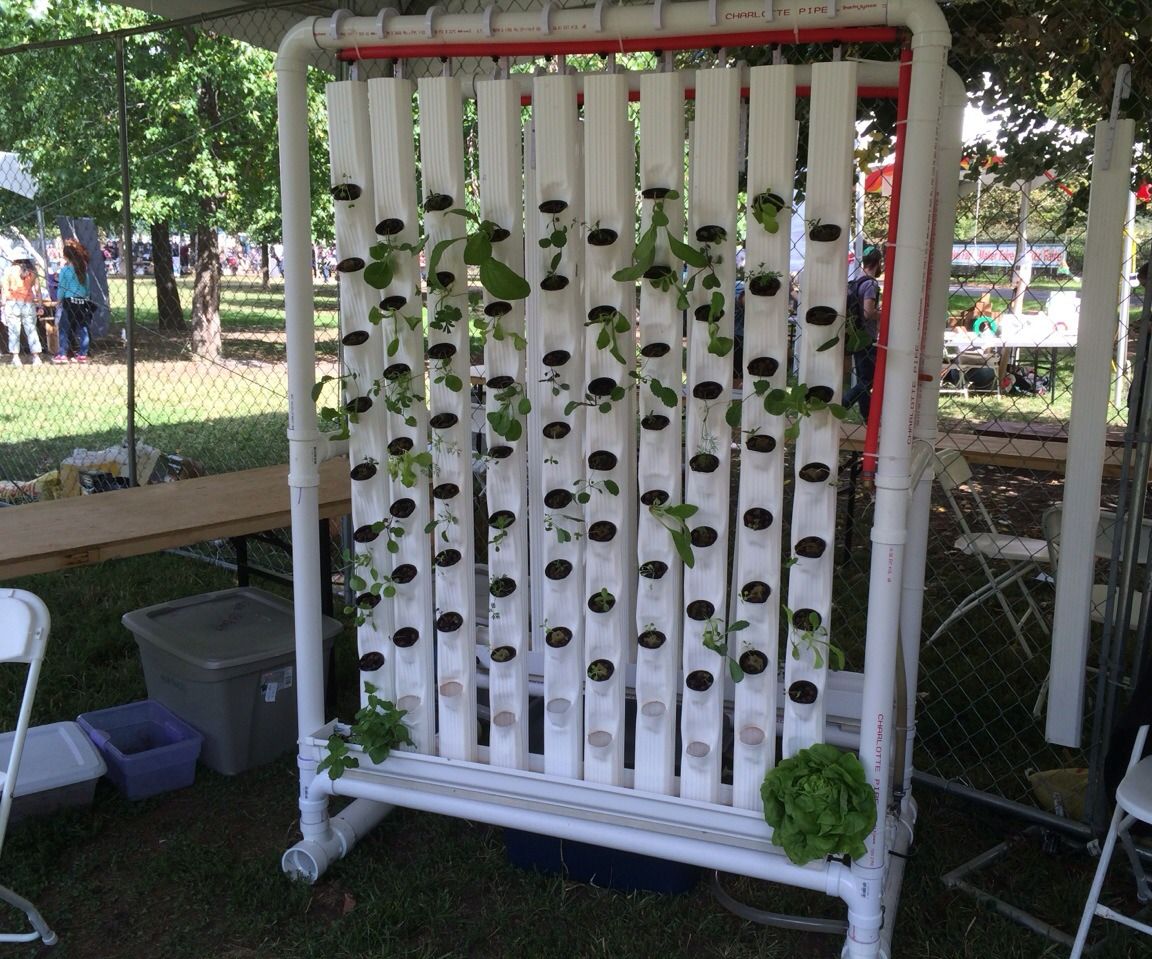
(544,45)
(873,92)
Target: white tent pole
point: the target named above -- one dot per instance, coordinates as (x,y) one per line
(1100,303)
(1122,331)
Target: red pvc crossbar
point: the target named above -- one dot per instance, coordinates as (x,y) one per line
(546,44)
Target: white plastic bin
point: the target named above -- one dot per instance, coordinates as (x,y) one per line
(225,663)
(58,769)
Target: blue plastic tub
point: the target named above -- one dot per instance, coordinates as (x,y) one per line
(148,750)
(609,868)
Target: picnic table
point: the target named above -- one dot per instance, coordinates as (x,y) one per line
(79,530)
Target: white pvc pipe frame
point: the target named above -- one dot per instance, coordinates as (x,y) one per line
(862,886)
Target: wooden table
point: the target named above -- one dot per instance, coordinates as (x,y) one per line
(1014,451)
(79,530)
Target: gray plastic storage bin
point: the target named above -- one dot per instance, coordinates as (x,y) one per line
(225,663)
(58,769)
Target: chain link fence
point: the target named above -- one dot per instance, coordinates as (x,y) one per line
(187,341)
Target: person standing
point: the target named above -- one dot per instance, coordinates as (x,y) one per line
(864,313)
(21,292)
(76,314)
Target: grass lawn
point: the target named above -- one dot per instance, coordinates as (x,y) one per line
(195,874)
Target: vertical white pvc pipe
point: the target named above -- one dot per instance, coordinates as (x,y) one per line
(303,433)
(560,337)
(609,438)
(936,308)
(659,612)
(404,395)
(889,528)
(1103,254)
(350,153)
(501,196)
(713,167)
(442,171)
(831,140)
(771,169)
(547,407)
(1123,375)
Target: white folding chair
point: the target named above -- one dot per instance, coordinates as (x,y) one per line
(24,625)
(1023,554)
(1105,538)
(1133,805)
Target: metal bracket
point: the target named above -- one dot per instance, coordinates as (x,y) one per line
(1120,91)
(832,11)
(713,12)
(336,21)
(486,20)
(769,9)
(546,18)
(382,19)
(598,17)
(658,15)
(430,21)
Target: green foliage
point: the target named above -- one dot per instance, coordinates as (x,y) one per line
(666,277)
(500,280)
(384,259)
(409,466)
(613,324)
(507,419)
(717,638)
(366,580)
(675,520)
(379,728)
(793,401)
(813,636)
(818,803)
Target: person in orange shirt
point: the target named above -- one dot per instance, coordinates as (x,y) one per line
(21,291)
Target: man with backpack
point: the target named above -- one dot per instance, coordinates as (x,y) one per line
(863,311)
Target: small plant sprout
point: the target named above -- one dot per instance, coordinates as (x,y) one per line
(808,632)
(336,419)
(665,394)
(499,279)
(443,521)
(585,488)
(674,518)
(702,263)
(409,466)
(796,402)
(446,316)
(391,312)
(444,375)
(384,258)
(369,585)
(399,398)
(553,524)
(507,419)
(613,324)
(763,281)
(717,638)
(378,729)
(557,239)
(554,381)
(501,525)
(766,208)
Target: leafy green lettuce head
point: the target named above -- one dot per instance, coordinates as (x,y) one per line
(818,803)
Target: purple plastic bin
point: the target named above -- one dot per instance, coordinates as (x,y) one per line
(148,749)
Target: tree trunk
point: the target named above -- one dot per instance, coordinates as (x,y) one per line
(206,338)
(167,293)
(264,283)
